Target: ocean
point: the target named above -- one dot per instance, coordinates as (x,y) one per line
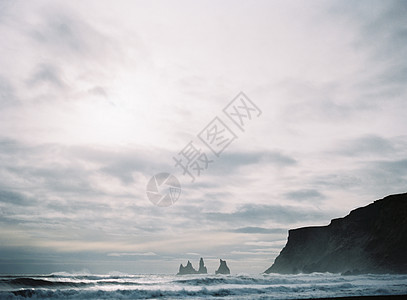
(240,286)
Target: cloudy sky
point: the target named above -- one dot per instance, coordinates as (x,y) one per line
(98,96)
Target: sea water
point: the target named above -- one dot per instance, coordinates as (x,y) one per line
(240,286)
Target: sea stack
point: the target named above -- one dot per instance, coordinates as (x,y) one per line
(188,269)
(223,268)
(202,268)
(371,239)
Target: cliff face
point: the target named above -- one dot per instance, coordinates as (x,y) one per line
(371,239)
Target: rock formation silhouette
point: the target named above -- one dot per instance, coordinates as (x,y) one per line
(202,269)
(223,268)
(371,239)
(188,269)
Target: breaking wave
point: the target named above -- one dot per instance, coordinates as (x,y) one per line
(270,286)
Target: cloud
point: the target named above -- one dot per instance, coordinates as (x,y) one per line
(268,244)
(132,254)
(235,160)
(7,93)
(9,197)
(374,178)
(381,174)
(381,33)
(98,91)
(123,163)
(259,230)
(388,26)
(259,214)
(47,74)
(245,253)
(365,145)
(64,32)
(66,169)
(305,194)
(315,101)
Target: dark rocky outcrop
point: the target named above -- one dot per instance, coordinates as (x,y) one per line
(188,269)
(371,239)
(202,269)
(223,268)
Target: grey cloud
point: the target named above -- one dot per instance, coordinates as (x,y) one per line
(7,93)
(67,180)
(123,168)
(64,32)
(64,47)
(28,162)
(10,197)
(389,27)
(209,214)
(382,32)
(122,165)
(367,144)
(382,24)
(67,173)
(8,145)
(378,166)
(235,158)
(396,167)
(259,230)
(340,180)
(383,177)
(304,194)
(46,73)
(12,150)
(386,87)
(279,159)
(232,160)
(98,91)
(258,214)
(45,167)
(216,196)
(67,34)
(371,177)
(388,172)
(77,207)
(315,101)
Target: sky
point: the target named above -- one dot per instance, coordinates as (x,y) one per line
(96,97)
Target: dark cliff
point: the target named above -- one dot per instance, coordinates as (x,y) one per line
(371,239)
